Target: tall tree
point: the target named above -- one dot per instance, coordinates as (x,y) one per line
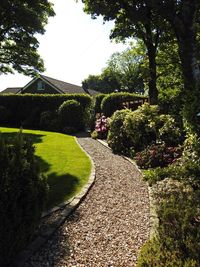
(123,72)
(132,19)
(20,20)
(183,16)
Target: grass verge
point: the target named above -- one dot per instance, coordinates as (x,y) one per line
(66,166)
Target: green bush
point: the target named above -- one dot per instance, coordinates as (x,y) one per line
(130,131)
(71,116)
(139,130)
(22,196)
(117,138)
(49,121)
(97,103)
(170,132)
(114,101)
(27,108)
(178,234)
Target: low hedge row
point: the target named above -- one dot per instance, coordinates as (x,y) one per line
(25,110)
(114,101)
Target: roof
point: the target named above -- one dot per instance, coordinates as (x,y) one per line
(60,86)
(66,88)
(11,90)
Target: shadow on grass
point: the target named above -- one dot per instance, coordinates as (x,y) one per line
(10,137)
(61,188)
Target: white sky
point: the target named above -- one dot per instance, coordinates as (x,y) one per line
(73,46)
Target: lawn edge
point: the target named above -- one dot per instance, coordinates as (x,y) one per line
(67,207)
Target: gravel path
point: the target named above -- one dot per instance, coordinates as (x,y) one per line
(110,225)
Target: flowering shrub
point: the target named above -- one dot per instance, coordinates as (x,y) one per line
(157,156)
(101,128)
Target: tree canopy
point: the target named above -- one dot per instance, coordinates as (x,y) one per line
(122,73)
(152,21)
(20,20)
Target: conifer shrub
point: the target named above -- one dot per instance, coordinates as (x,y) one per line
(22,196)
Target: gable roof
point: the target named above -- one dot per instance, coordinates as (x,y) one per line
(11,90)
(66,88)
(60,86)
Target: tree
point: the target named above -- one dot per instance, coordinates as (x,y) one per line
(20,20)
(123,72)
(183,17)
(132,19)
(107,82)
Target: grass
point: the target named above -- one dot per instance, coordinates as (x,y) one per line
(66,166)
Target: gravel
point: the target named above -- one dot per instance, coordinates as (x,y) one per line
(110,225)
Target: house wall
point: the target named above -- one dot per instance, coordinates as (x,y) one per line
(32,89)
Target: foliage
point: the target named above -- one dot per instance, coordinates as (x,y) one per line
(186,169)
(22,196)
(4,115)
(94,134)
(169,131)
(97,103)
(138,129)
(49,121)
(117,138)
(26,109)
(176,242)
(71,116)
(20,22)
(157,156)
(107,82)
(114,101)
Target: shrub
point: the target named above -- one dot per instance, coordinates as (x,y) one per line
(49,121)
(97,103)
(71,115)
(138,130)
(170,132)
(177,240)
(22,196)
(157,156)
(22,107)
(117,138)
(114,101)
(4,115)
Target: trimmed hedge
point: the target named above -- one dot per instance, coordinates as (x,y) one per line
(97,103)
(114,101)
(25,110)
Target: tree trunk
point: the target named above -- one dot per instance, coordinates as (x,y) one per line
(185,31)
(153,91)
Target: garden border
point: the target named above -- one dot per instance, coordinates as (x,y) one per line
(153,215)
(68,207)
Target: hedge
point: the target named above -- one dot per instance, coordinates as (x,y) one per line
(114,101)
(25,110)
(97,103)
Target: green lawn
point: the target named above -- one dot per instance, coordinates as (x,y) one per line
(67,167)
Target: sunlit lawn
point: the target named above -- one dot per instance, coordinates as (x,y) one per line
(67,167)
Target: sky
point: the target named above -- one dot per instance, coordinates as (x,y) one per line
(73,46)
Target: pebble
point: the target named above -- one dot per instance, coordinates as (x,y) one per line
(111,224)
